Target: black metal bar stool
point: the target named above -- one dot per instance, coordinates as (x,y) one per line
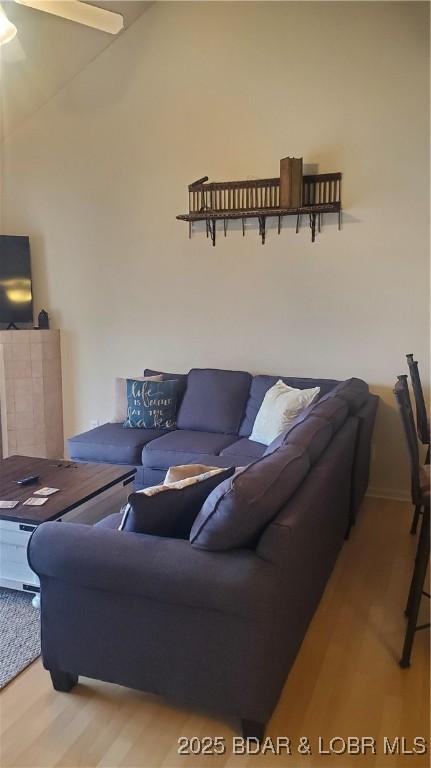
(402,386)
(421,499)
(422,420)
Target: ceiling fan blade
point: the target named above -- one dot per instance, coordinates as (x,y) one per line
(83,13)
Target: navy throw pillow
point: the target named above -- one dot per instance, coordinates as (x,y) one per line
(151,404)
(170,512)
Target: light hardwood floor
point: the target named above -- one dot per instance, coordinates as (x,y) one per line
(346,682)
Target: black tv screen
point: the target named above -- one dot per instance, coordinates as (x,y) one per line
(16,300)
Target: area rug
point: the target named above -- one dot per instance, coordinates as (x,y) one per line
(19,633)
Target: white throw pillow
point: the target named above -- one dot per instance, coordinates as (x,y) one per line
(184,482)
(183,471)
(280,406)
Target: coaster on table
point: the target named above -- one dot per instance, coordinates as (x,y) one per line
(32,502)
(46,491)
(8,504)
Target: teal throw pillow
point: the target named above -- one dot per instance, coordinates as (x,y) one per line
(151,404)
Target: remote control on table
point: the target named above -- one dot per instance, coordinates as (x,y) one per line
(28,480)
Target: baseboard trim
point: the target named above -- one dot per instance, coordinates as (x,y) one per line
(393,494)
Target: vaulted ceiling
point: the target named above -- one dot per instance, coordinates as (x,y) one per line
(48,52)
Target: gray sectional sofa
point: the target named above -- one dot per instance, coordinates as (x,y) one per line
(215,420)
(214,621)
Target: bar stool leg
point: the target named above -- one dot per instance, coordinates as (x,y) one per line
(417,587)
(410,595)
(415,520)
(412,584)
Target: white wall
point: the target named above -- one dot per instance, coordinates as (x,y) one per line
(99,173)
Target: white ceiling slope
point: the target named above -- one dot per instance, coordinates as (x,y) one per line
(46,54)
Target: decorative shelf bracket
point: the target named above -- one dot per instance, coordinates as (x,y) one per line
(313,226)
(260,199)
(212,230)
(262,228)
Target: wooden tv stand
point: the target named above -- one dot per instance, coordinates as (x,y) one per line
(31,401)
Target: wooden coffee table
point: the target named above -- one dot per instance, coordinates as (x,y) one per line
(88,492)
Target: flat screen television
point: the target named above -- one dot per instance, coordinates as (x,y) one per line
(16,298)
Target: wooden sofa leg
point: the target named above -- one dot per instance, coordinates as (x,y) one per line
(251,729)
(63,681)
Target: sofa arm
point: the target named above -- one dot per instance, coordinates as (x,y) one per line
(166,570)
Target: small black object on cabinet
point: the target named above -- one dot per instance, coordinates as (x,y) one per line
(43,319)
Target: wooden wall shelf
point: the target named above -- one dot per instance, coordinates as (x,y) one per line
(229,200)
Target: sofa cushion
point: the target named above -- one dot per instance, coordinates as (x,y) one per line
(353,391)
(331,408)
(147,477)
(112,521)
(112,444)
(281,405)
(214,400)
(260,386)
(243,451)
(184,447)
(170,510)
(180,377)
(236,512)
(185,471)
(311,434)
(151,404)
(120,401)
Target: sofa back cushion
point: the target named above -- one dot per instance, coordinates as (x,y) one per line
(214,400)
(120,402)
(151,404)
(353,391)
(237,511)
(280,407)
(259,387)
(308,429)
(311,434)
(333,409)
(181,378)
